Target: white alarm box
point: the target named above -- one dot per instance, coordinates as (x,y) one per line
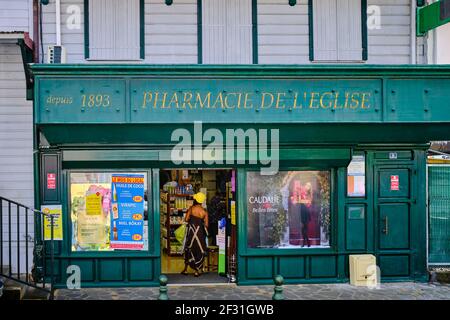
(363,270)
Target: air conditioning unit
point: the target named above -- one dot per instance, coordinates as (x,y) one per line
(364,270)
(56,54)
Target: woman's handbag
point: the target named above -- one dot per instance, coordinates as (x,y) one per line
(180,233)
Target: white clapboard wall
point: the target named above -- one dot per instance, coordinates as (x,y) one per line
(16,130)
(391,44)
(16,15)
(283,32)
(16,144)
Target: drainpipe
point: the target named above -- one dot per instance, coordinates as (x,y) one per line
(36,31)
(413,32)
(58,22)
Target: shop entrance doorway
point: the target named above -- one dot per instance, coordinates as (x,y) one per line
(211,256)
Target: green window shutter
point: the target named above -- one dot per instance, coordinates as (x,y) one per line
(114,30)
(337,32)
(227,32)
(349,44)
(324,24)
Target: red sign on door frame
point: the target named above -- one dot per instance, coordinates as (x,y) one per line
(395,183)
(51,181)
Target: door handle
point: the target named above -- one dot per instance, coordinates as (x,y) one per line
(386,225)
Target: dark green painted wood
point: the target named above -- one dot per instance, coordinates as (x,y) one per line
(142,28)
(339,71)
(255,31)
(397,234)
(384,183)
(355,227)
(323,267)
(311,29)
(260,268)
(322,134)
(365,53)
(199,32)
(86,29)
(394,265)
(291,267)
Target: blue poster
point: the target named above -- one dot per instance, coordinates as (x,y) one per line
(127,212)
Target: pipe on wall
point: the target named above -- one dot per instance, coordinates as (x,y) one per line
(36,31)
(413,32)
(58,22)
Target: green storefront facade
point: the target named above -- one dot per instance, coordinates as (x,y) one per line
(120,118)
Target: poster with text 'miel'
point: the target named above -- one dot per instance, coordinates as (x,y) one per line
(127,212)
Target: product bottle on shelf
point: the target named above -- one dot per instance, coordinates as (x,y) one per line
(115,235)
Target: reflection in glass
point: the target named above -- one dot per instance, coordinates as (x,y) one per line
(91,205)
(288,210)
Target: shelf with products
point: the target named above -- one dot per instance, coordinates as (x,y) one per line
(173,208)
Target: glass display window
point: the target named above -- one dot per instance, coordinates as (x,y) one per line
(109,211)
(290,209)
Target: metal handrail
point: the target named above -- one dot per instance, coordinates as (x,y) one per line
(39,218)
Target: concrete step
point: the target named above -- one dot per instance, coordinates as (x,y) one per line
(441,275)
(13,290)
(35,294)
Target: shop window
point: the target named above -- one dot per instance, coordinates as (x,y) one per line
(337,30)
(109,211)
(114,30)
(290,209)
(356,177)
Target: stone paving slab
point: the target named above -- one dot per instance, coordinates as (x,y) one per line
(387,291)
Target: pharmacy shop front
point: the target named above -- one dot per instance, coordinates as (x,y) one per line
(301,166)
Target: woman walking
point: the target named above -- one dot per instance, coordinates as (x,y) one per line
(196,233)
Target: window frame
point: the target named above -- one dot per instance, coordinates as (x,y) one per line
(141,34)
(364,36)
(245,250)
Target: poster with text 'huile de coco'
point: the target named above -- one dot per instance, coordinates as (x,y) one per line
(127,212)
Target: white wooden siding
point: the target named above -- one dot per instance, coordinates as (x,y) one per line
(391,43)
(16,142)
(227,31)
(16,15)
(171,32)
(114,30)
(282,32)
(71,38)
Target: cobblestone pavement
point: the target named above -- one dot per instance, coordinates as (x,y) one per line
(387,291)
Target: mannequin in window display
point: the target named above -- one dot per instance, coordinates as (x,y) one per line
(305,211)
(294,213)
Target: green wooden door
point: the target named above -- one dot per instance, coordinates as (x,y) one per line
(394,205)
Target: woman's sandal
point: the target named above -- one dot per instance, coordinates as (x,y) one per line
(184,273)
(196,274)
